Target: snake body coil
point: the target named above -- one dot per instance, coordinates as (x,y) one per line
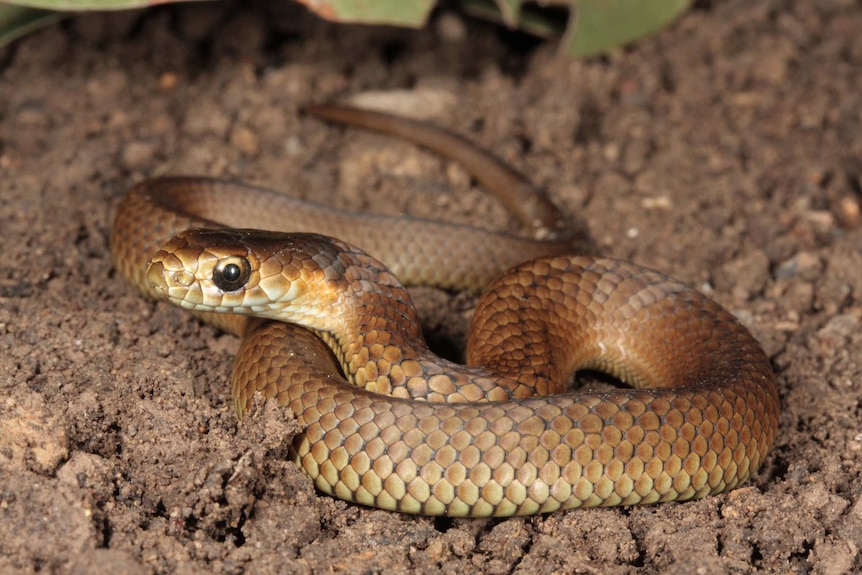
(418,434)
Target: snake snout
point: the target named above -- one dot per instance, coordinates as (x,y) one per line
(156,277)
(163,279)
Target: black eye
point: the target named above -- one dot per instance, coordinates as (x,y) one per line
(230,274)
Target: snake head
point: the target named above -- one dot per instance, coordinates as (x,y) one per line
(289,277)
(205,270)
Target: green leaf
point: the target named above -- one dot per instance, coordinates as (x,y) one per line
(599,25)
(510,11)
(594,25)
(413,13)
(529,20)
(16,21)
(82,5)
(397,12)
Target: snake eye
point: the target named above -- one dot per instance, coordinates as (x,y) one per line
(230,274)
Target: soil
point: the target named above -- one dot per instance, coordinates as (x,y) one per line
(726,150)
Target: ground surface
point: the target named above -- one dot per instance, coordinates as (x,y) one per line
(726,151)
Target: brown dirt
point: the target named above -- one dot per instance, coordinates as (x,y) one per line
(727,151)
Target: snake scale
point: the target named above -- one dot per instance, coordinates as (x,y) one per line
(389,424)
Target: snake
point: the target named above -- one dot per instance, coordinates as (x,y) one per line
(329,331)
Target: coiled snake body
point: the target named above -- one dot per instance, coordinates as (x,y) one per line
(415,433)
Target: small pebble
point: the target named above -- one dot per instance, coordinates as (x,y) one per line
(848,212)
(662,202)
(168,81)
(137,155)
(451,28)
(805,264)
(245,141)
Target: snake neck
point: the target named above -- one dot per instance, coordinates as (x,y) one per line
(372,327)
(376,335)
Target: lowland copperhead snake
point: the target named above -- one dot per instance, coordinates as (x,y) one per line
(415,433)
